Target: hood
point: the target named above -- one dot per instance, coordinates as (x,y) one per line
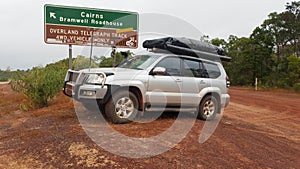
(113,71)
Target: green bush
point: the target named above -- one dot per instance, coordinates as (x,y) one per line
(40,85)
(297,87)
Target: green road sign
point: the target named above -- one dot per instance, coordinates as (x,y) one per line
(81,26)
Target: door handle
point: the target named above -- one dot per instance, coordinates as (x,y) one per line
(178,80)
(202,82)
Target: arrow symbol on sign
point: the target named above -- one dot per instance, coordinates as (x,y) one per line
(52,15)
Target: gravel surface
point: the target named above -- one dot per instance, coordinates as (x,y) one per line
(259,129)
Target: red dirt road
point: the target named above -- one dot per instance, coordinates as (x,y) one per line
(259,129)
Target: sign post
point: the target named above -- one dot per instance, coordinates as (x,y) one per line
(69,25)
(70,56)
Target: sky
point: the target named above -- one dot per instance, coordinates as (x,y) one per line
(22,24)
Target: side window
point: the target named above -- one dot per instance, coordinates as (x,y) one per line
(193,68)
(172,66)
(212,70)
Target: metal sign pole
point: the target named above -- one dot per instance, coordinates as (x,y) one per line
(70,56)
(113,55)
(91,51)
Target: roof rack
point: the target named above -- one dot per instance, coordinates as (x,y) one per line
(190,47)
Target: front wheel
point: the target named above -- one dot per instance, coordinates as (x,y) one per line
(208,108)
(122,107)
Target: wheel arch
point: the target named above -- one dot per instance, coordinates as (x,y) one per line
(136,91)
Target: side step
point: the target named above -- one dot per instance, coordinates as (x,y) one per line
(154,109)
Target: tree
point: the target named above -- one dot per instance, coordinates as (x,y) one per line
(265,53)
(242,65)
(108,62)
(219,42)
(281,33)
(291,18)
(262,51)
(251,58)
(81,62)
(294,71)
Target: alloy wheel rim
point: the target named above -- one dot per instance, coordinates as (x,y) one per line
(208,108)
(124,107)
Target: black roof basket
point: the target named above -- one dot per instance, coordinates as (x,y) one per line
(190,47)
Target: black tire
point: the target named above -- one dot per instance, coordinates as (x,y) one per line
(208,108)
(122,107)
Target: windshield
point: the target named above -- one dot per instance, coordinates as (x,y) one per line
(139,62)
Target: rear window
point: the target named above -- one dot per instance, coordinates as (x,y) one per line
(193,68)
(212,70)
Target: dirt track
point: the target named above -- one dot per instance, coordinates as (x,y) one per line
(258,130)
(2,83)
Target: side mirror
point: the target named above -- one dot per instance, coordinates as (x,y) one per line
(159,71)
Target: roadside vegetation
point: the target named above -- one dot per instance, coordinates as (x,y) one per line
(5,75)
(41,84)
(271,54)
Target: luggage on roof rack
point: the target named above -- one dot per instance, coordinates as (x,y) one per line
(190,47)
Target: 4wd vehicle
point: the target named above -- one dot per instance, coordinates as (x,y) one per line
(153,81)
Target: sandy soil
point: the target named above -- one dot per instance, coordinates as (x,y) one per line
(259,129)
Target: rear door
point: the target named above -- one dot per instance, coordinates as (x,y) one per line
(195,79)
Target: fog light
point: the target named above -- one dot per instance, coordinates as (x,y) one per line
(88,93)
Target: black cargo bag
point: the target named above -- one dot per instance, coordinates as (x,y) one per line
(186,46)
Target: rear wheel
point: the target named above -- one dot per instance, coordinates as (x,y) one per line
(122,107)
(208,108)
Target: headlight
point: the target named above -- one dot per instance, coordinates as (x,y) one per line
(94,79)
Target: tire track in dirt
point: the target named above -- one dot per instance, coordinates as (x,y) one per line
(270,122)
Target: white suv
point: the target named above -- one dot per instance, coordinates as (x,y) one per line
(152,82)
(156,81)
